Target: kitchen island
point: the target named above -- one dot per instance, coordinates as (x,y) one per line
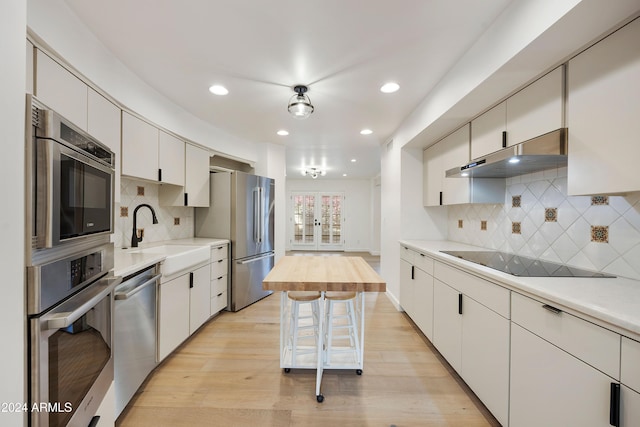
(322,274)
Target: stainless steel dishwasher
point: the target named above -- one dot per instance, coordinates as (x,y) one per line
(135,320)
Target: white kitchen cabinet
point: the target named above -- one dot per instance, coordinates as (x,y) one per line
(416,292)
(139,148)
(170,159)
(406,286)
(471,330)
(104,124)
(487,131)
(199,297)
(195,191)
(550,387)
(219,278)
(629,407)
(602,115)
(30,63)
(183,307)
(450,152)
(630,379)
(60,90)
(535,110)
(579,359)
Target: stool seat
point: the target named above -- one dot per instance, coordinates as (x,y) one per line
(339,296)
(303,295)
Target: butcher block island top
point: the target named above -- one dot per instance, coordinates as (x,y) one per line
(323,273)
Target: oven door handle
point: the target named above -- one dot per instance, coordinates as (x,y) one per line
(44,194)
(99,291)
(132,292)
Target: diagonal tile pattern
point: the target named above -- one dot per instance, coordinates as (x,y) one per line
(568,239)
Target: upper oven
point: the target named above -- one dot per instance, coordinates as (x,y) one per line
(71,181)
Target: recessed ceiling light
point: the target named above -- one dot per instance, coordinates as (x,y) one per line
(283,132)
(389,87)
(366,132)
(218,90)
(353,160)
(344,174)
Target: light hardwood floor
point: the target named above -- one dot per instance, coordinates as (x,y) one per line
(227,374)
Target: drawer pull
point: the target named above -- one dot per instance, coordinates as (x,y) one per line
(220,294)
(552,309)
(459,303)
(614,405)
(413,272)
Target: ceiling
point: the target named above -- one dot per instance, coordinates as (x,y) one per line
(344,51)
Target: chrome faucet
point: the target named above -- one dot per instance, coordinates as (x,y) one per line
(134,237)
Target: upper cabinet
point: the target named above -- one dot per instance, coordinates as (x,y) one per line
(171,159)
(453,151)
(60,90)
(195,191)
(29,77)
(602,115)
(533,111)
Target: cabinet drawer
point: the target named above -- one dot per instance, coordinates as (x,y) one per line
(218,302)
(630,368)
(486,293)
(218,253)
(407,254)
(219,268)
(218,284)
(424,263)
(590,343)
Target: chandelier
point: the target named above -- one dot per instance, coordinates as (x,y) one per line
(300,105)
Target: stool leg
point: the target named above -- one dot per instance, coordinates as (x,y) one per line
(354,326)
(294,336)
(329,335)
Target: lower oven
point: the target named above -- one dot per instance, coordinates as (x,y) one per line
(70,343)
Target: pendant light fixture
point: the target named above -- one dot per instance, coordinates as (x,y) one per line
(300,105)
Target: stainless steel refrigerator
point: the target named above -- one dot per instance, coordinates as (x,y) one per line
(241,210)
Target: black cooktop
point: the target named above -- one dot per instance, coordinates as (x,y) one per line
(523,266)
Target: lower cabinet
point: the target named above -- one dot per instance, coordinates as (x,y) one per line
(183,308)
(550,387)
(447,323)
(416,293)
(219,279)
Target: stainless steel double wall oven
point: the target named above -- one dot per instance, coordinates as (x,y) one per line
(70,281)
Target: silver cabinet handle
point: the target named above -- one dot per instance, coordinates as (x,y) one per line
(64,319)
(132,292)
(551,309)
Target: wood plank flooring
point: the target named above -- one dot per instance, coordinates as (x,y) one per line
(227,374)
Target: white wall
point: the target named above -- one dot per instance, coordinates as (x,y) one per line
(357,208)
(13,18)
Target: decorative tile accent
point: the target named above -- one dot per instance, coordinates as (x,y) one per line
(483,225)
(176,221)
(459,223)
(516,228)
(599,200)
(516,201)
(600,233)
(551,215)
(124,211)
(140,191)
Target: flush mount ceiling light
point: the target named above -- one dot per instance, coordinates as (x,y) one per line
(389,87)
(282,132)
(300,105)
(314,172)
(218,90)
(366,132)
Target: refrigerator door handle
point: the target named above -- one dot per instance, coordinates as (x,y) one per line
(250,260)
(256,215)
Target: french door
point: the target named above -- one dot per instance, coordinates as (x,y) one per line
(317,221)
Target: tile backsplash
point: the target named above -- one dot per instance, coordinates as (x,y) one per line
(539,220)
(173,222)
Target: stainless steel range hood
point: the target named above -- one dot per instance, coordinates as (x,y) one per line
(547,151)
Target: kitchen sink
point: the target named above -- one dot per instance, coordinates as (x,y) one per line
(177,257)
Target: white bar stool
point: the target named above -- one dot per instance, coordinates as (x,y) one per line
(299,322)
(335,321)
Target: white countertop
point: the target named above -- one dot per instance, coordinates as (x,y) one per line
(126,262)
(610,302)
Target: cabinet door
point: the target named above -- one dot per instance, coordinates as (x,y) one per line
(200,298)
(60,90)
(433,175)
(29,55)
(447,323)
(171,159)
(456,153)
(407,272)
(549,387)
(173,315)
(104,123)
(536,109)
(629,407)
(486,131)
(423,302)
(197,176)
(602,115)
(139,148)
(485,356)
